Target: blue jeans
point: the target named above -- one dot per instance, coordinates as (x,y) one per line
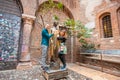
(44,49)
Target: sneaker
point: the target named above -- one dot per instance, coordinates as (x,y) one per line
(46,68)
(63,68)
(42,67)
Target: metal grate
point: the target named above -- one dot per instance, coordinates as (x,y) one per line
(107,27)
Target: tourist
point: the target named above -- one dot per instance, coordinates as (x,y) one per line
(44,46)
(62,48)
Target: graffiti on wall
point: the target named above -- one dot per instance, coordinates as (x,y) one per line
(9,36)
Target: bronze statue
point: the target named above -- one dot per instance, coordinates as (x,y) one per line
(54,61)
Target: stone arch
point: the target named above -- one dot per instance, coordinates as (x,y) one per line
(36,38)
(10,29)
(19,3)
(103,14)
(65,9)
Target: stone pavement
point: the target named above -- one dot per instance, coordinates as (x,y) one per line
(91,73)
(29,74)
(35,73)
(75,73)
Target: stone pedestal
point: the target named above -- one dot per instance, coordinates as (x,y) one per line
(55,65)
(25,52)
(55,74)
(24,66)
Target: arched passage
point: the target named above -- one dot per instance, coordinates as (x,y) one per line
(38,25)
(10,29)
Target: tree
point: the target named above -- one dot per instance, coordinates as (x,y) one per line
(82,33)
(70,24)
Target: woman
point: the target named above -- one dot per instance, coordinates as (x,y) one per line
(62,48)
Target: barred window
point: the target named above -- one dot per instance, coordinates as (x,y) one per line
(107,27)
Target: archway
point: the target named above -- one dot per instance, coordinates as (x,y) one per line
(10,30)
(47,18)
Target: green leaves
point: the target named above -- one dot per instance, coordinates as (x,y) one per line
(82,30)
(56,18)
(70,23)
(82,33)
(60,6)
(50,5)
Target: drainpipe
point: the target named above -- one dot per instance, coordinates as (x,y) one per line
(72,47)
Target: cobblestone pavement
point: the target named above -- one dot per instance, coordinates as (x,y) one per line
(91,73)
(30,74)
(34,74)
(75,76)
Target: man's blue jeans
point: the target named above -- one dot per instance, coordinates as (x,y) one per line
(43,59)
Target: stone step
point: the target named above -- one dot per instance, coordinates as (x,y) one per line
(55,74)
(91,73)
(104,57)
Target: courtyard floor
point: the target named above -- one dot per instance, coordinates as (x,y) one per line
(76,72)
(91,73)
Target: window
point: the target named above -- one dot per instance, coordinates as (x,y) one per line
(107,27)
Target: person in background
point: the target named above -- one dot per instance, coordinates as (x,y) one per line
(44,46)
(62,48)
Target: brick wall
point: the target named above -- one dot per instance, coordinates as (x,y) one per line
(38,26)
(113,42)
(87,11)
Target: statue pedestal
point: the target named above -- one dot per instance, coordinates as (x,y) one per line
(24,66)
(55,74)
(55,65)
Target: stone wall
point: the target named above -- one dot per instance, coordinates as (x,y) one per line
(38,26)
(112,42)
(10,30)
(92,10)
(103,62)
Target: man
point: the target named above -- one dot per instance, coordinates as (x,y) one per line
(44,46)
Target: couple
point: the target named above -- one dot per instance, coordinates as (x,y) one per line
(45,43)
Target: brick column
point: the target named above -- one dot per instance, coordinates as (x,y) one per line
(25,52)
(114,21)
(115,27)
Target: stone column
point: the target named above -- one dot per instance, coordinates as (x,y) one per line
(25,52)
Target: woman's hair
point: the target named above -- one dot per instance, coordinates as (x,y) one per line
(63,32)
